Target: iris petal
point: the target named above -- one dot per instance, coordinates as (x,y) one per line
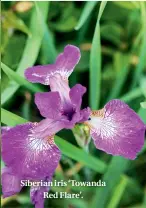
(49,104)
(37,195)
(117,129)
(64,66)
(58,84)
(10,183)
(29,156)
(76,94)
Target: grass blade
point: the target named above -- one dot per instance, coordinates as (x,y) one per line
(88,8)
(118,192)
(80,155)
(135,93)
(11,119)
(95,63)
(47,42)
(66,148)
(142,63)
(19,80)
(116,167)
(142,114)
(33,44)
(121,76)
(48,50)
(144,200)
(31,49)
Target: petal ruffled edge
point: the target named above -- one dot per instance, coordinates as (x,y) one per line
(64,66)
(67,60)
(117,129)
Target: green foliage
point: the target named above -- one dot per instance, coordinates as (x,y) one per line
(19,80)
(95,63)
(89,6)
(31,49)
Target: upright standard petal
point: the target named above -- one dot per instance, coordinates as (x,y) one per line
(10,183)
(67,60)
(76,94)
(64,66)
(29,156)
(59,84)
(117,129)
(49,104)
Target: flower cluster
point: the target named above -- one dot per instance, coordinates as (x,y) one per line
(29,151)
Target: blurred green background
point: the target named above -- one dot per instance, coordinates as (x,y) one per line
(112,40)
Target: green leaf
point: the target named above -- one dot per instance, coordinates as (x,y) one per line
(88,8)
(127,5)
(16,43)
(143,85)
(135,93)
(19,80)
(66,148)
(80,155)
(144,200)
(142,57)
(118,192)
(143,105)
(11,21)
(116,167)
(122,68)
(95,63)
(142,114)
(11,119)
(112,32)
(47,42)
(65,25)
(48,51)
(31,49)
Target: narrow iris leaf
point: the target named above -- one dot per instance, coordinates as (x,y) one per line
(18,79)
(12,21)
(88,8)
(95,63)
(121,76)
(118,192)
(47,42)
(31,49)
(142,57)
(135,93)
(117,166)
(11,119)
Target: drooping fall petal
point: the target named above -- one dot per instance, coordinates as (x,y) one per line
(29,156)
(10,183)
(117,129)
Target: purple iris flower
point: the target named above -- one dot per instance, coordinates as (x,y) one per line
(28,156)
(33,154)
(116,129)
(61,103)
(29,151)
